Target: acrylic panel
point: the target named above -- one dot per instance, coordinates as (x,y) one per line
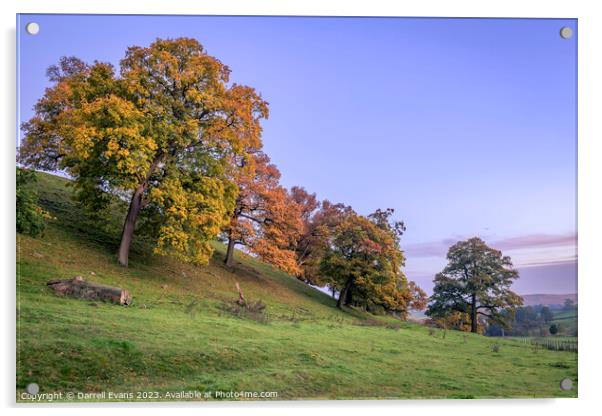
(295,208)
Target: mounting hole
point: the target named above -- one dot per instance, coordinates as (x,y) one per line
(32,388)
(32,28)
(566,32)
(566,384)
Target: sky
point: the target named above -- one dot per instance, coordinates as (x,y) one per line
(466,127)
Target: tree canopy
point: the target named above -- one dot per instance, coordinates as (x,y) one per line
(265,218)
(320,220)
(475,282)
(363,261)
(163,134)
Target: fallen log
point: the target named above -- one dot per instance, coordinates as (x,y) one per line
(79,288)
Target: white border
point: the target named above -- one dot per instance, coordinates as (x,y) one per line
(590,189)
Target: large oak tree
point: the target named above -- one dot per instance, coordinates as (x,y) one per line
(476,282)
(162,134)
(362,261)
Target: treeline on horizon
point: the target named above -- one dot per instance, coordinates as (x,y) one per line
(172,135)
(538,320)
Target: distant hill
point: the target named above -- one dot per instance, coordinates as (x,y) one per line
(542,299)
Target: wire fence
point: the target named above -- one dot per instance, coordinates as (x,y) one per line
(551,343)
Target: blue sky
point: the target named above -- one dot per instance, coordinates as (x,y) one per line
(467,127)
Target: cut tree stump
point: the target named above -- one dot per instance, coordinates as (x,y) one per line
(79,288)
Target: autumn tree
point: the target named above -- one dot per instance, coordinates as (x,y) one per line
(319,220)
(265,219)
(281,234)
(411,295)
(383,219)
(162,134)
(256,179)
(475,282)
(307,203)
(363,261)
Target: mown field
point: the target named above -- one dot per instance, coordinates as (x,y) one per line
(181,334)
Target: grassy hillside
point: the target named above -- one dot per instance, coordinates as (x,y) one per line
(180,333)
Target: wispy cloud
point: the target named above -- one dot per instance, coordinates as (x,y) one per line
(536,241)
(430,249)
(548,262)
(523,242)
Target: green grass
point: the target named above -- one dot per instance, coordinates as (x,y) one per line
(566,321)
(177,335)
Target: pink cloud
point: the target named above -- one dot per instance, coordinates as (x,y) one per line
(430,249)
(549,262)
(536,241)
(528,241)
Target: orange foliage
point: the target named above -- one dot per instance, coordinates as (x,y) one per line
(265,219)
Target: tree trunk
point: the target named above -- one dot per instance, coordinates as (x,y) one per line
(129,225)
(473,314)
(344,293)
(230,251)
(349,296)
